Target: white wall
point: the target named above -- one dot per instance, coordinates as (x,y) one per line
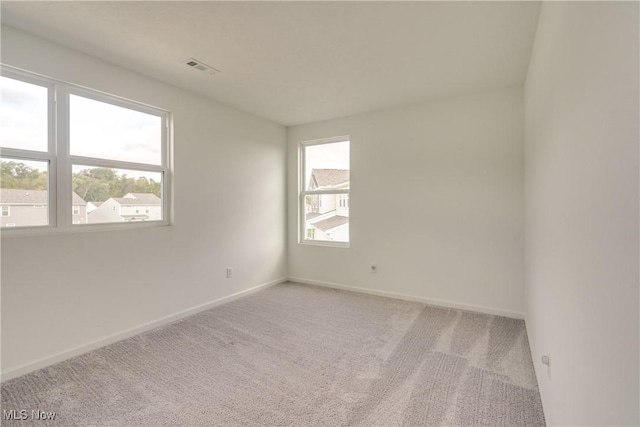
(436,202)
(581,105)
(64,291)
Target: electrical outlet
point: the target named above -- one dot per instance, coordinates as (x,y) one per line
(546,360)
(229,272)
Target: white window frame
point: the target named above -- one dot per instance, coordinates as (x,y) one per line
(60,208)
(303,192)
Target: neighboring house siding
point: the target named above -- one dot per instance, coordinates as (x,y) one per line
(153,211)
(340,234)
(81,217)
(28,208)
(319,235)
(109,211)
(327,203)
(123,210)
(25,215)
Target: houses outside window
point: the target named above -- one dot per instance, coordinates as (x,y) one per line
(324,198)
(107,147)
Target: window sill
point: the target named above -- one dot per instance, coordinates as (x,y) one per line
(11,232)
(345,245)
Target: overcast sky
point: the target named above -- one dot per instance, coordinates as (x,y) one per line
(97,129)
(23,115)
(110,132)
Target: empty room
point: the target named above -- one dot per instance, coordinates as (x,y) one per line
(320,213)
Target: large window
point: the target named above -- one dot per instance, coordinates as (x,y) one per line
(73,157)
(324,195)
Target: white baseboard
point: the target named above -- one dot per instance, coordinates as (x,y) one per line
(538,370)
(119,336)
(436,302)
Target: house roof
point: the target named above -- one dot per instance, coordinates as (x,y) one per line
(330,177)
(331,223)
(136,199)
(12,196)
(311,215)
(77,200)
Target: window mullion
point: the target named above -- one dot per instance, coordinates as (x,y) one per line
(63,163)
(53,162)
(116,164)
(28,154)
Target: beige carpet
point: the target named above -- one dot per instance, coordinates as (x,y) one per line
(298,355)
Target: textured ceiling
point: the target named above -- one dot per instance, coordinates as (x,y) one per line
(300,62)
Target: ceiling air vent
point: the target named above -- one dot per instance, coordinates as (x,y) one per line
(201,66)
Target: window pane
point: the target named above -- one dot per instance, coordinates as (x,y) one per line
(102,195)
(326,217)
(107,131)
(327,166)
(24,196)
(23,115)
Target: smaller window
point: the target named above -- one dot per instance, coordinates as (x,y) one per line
(6,212)
(113,208)
(137,210)
(324,199)
(76,210)
(146,211)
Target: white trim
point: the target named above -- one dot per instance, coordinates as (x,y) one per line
(330,140)
(119,336)
(405,297)
(327,243)
(44,230)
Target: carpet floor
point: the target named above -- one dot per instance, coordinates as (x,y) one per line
(297,355)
